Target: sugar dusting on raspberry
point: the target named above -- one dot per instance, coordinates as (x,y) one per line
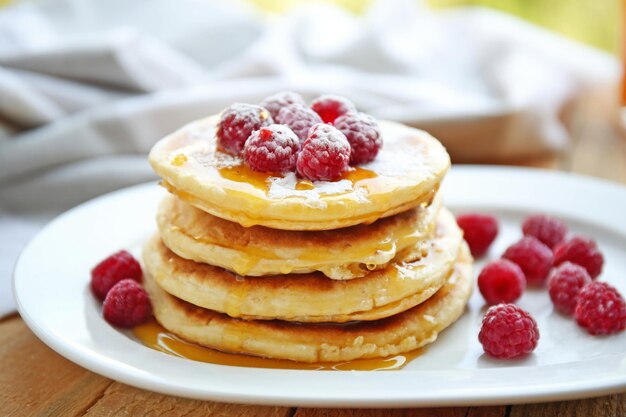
(236,124)
(363,134)
(299,118)
(272,149)
(325,154)
(276,102)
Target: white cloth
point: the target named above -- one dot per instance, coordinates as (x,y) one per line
(86,86)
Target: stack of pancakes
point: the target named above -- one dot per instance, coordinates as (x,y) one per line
(367,266)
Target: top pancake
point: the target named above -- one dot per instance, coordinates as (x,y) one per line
(405,174)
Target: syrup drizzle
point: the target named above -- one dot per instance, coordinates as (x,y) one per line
(153,335)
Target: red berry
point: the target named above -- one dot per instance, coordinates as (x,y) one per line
(501,281)
(299,118)
(272,149)
(113,269)
(127,304)
(548,230)
(329,107)
(363,134)
(236,124)
(325,154)
(533,257)
(508,332)
(600,309)
(277,101)
(564,284)
(582,251)
(479,231)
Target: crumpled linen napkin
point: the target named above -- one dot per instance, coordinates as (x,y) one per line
(87,87)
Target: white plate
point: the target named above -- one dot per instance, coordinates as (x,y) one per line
(51,289)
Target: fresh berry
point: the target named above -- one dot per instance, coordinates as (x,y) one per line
(127,304)
(325,154)
(548,230)
(501,281)
(508,332)
(277,101)
(479,231)
(600,309)
(363,134)
(272,149)
(299,118)
(113,269)
(236,124)
(533,257)
(329,107)
(582,251)
(564,284)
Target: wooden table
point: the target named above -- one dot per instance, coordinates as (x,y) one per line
(35,381)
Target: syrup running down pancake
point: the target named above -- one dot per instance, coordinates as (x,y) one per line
(406,173)
(399,333)
(340,254)
(310,297)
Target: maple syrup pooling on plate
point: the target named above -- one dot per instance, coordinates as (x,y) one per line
(156,337)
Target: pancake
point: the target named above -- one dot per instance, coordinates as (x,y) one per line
(397,334)
(309,297)
(406,173)
(254,251)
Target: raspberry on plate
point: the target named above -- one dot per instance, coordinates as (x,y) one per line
(479,231)
(363,134)
(236,124)
(299,118)
(272,149)
(325,154)
(582,251)
(508,332)
(600,309)
(564,285)
(113,269)
(501,281)
(548,230)
(127,304)
(330,107)
(533,257)
(277,101)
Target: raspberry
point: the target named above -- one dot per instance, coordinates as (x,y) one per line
(236,124)
(272,149)
(479,231)
(600,309)
(127,304)
(548,230)
(330,107)
(325,154)
(299,118)
(277,101)
(508,332)
(363,134)
(564,284)
(113,269)
(501,281)
(582,251)
(533,257)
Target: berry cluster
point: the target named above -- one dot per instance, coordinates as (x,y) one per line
(542,255)
(283,134)
(117,281)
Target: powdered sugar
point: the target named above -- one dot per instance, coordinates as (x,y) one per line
(283,187)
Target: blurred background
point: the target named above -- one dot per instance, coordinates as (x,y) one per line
(88,86)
